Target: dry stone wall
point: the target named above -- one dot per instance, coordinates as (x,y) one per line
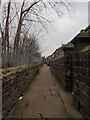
(14,84)
(58,69)
(61,68)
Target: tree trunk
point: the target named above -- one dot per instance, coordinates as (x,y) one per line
(17,36)
(6,42)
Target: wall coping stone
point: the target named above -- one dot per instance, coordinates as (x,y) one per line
(68,46)
(80,39)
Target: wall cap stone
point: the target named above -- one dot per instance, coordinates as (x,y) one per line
(68,46)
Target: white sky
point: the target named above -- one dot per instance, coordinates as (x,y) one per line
(65,28)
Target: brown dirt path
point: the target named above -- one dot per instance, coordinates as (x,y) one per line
(42,99)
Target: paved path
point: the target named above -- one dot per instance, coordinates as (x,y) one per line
(42,99)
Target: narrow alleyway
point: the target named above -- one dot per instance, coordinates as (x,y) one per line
(42,100)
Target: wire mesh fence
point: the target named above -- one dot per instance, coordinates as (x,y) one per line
(18,57)
(0,54)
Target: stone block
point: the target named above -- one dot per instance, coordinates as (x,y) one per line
(76,101)
(88,72)
(81,63)
(77,63)
(76,69)
(83,71)
(85,102)
(76,55)
(20,80)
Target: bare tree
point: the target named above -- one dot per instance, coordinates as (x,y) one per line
(29,43)
(33,9)
(7,30)
(26,16)
(33,12)
(7,24)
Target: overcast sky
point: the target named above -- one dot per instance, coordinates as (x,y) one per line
(65,28)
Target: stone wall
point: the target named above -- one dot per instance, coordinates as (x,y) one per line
(82,76)
(14,83)
(73,71)
(58,69)
(68,63)
(62,68)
